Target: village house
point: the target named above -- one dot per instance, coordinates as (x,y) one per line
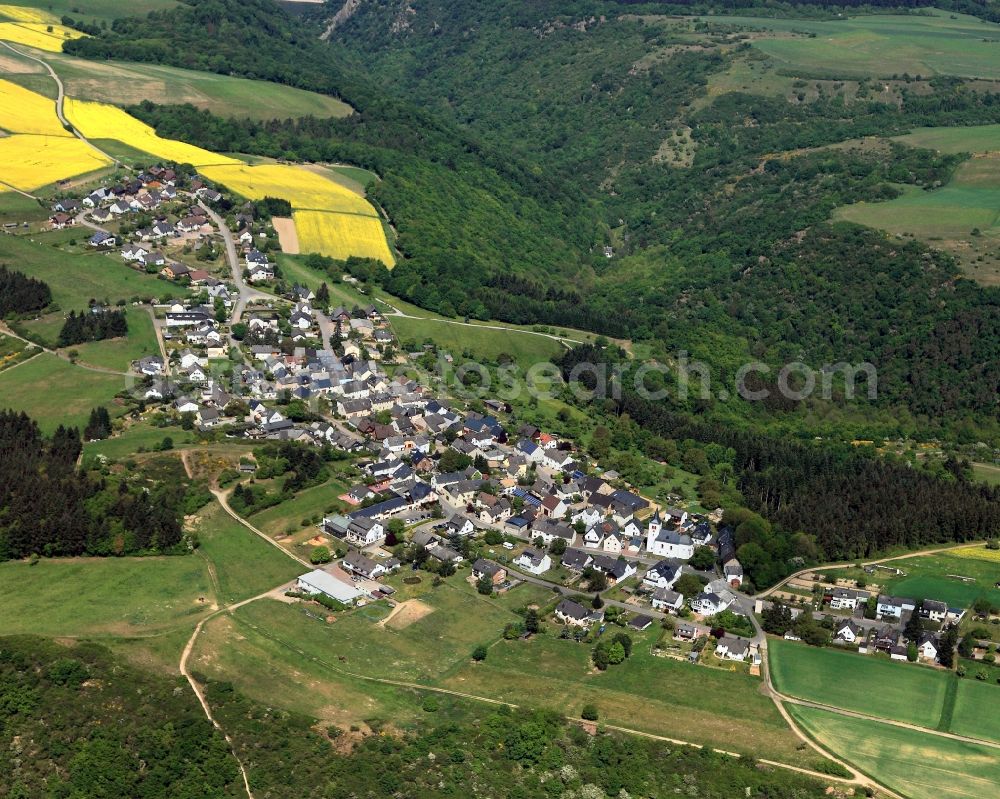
(494,572)
(667,600)
(575,614)
(533,561)
(363,565)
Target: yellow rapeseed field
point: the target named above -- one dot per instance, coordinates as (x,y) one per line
(976,553)
(102,121)
(23,111)
(305,190)
(29,162)
(341,235)
(22,14)
(37,35)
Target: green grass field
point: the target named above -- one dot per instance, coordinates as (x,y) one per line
(880,45)
(962,218)
(75,278)
(123,84)
(988,473)
(118,353)
(244,564)
(866,684)
(716,707)
(972,139)
(16,207)
(102,596)
(972,716)
(53,391)
(525,348)
(139,435)
(306,504)
(916,764)
(926,578)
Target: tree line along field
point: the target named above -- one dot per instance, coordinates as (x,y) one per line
(917,764)
(140,596)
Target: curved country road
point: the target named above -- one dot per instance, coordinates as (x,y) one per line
(60,97)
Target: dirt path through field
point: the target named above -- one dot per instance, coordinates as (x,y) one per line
(288,236)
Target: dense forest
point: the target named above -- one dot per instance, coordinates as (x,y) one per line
(77,722)
(819,502)
(92,326)
(21,294)
(49,507)
(74,722)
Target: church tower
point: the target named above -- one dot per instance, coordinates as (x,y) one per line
(655,525)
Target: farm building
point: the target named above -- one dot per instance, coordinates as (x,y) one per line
(320,582)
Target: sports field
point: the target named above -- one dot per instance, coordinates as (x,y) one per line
(927,577)
(866,684)
(916,764)
(54,391)
(880,45)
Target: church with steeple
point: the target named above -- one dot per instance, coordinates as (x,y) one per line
(668,541)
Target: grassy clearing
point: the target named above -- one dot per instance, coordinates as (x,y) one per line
(880,45)
(869,685)
(927,578)
(287,516)
(53,391)
(989,473)
(77,277)
(102,596)
(268,666)
(962,217)
(137,437)
(118,353)
(244,564)
(971,716)
(525,348)
(125,84)
(972,139)
(918,765)
(16,207)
